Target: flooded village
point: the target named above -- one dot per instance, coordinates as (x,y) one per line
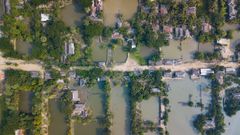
(115,82)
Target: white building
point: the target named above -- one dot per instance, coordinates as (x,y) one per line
(69,48)
(75,96)
(45,17)
(206,71)
(224,41)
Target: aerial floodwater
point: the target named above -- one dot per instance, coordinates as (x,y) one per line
(112,7)
(181,115)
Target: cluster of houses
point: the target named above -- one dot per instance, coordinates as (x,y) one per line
(79,109)
(177,32)
(197,73)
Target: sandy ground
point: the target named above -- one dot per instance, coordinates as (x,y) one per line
(19,64)
(131,65)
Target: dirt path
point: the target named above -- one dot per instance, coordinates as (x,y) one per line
(132,65)
(6,63)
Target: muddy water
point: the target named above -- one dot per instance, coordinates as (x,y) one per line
(150,109)
(232,124)
(93,97)
(112,7)
(120,108)
(177,51)
(26,101)
(119,56)
(99,51)
(181,116)
(57,122)
(146,51)
(71,15)
(24,47)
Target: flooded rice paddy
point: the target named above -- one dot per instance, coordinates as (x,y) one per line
(150,109)
(24,47)
(181,116)
(57,122)
(72,15)
(177,50)
(94,100)
(26,101)
(112,7)
(120,109)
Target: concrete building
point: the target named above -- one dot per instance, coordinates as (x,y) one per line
(206,27)
(69,48)
(206,71)
(45,17)
(231,71)
(75,96)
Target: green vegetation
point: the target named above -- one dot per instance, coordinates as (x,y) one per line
(207,56)
(108,114)
(231,102)
(214,112)
(66,106)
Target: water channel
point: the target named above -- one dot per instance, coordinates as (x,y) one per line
(120,109)
(57,122)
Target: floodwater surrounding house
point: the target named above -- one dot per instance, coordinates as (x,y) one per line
(112,7)
(181,115)
(94,100)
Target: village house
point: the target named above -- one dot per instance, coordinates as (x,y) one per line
(82,82)
(236,95)
(102,64)
(168,30)
(231,71)
(163,10)
(80,110)
(97,6)
(69,48)
(72,74)
(220,77)
(45,17)
(206,71)
(206,27)
(155,90)
(191,11)
(209,124)
(47,75)
(2,75)
(117,35)
(194,74)
(119,23)
(19,132)
(168,62)
(179,74)
(34,74)
(224,42)
(187,34)
(75,96)
(131,43)
(7,6)
(232,12)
